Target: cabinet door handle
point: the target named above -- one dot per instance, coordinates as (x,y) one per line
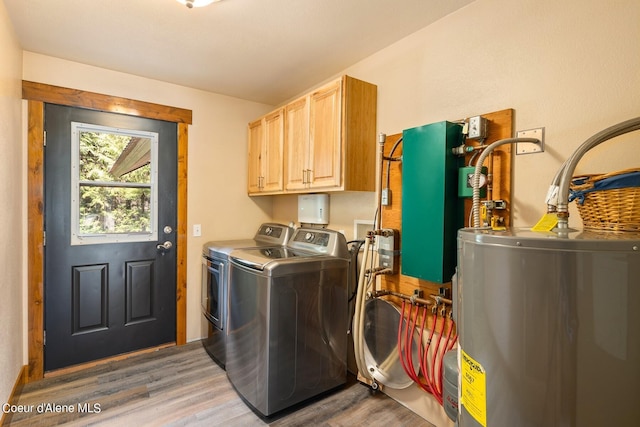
(304,176)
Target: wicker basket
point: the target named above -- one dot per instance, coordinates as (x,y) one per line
(615,209)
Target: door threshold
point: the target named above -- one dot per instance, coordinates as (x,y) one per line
(123,356)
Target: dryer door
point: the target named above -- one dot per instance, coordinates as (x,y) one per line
(213,292)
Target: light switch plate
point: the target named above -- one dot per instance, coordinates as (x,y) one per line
(529,147)
(197,230)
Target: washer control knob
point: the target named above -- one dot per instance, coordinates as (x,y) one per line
(308,237)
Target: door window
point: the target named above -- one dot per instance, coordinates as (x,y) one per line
(113,185)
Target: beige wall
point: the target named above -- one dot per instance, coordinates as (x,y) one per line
(217,155)
(570,66)
(12,218)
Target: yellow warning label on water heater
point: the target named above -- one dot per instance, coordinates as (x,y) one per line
(548,222)
(473,390)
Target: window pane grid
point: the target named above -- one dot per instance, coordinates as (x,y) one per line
(113,184)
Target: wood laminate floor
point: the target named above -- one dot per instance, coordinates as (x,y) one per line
(182,386)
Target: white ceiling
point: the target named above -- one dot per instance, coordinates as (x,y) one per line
(261,50)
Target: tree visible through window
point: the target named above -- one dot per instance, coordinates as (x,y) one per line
(114,182)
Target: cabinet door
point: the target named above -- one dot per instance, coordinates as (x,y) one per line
(296,144)
(325,142)
(273,148)
(255,148)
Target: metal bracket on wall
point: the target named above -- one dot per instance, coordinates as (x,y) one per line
(529,147)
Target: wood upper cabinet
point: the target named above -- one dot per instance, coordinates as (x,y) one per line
(329,138)
(256,138)
(312,141)
(296,144)
(325,142)
(266,144)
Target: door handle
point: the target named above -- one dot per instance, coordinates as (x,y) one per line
(163,247)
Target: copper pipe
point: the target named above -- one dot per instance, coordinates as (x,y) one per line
(490,178)
(435,299)
(440,299)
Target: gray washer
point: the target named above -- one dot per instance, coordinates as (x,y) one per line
(287,338)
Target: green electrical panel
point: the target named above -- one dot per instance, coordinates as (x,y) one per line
(465,181)
(432,212)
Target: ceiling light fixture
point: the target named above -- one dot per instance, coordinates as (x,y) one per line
(196,3)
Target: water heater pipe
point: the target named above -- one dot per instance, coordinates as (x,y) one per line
(552,194)
(358,316)
(476,176)
(568,168)
(381,140)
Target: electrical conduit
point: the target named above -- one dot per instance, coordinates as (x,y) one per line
(476,176)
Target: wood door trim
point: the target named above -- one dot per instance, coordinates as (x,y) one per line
(99,102)
(181,235)
(37,94)
(35,247)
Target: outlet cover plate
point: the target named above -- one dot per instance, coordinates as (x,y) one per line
(477,127)
(528,147)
